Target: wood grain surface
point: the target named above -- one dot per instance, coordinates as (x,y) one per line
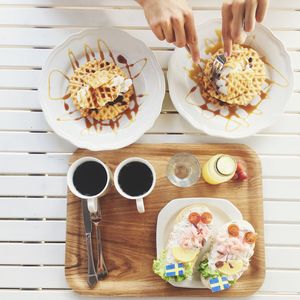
(129,237)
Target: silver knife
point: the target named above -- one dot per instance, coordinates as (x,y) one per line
(92,275)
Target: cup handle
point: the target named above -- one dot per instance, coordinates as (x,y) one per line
(92,204)
(140,205)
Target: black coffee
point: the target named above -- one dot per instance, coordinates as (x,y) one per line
(90,178)
(135,179)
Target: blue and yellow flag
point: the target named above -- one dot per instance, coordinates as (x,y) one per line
(218,284)
(174,269)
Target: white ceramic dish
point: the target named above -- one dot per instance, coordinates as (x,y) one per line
(223,212)
(269,111)
(149,83)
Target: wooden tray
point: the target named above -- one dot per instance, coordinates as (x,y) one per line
(129,238)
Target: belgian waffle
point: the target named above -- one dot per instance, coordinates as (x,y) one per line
(91,94)
(241,86)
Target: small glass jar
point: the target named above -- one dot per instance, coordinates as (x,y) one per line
(219,168)
(183,169)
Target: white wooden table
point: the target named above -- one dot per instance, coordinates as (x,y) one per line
(33,160)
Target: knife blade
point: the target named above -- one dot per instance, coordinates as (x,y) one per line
(92,277)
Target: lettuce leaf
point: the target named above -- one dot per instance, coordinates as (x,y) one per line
(206,271)
(159,269)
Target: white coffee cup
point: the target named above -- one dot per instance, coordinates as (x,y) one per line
(92,201)
(139,199)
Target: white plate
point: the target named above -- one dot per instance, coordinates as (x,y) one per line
(267,45)
(223,212)
(150,82)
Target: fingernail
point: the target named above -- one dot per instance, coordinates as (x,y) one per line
(226,54)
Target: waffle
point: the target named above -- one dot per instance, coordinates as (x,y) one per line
(241,85)
(91,93)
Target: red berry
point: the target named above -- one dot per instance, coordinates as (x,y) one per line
(243,176)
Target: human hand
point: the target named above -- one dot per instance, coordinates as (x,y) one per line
(172,20)
(238,17)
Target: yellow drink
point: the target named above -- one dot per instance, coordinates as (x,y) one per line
(218,169)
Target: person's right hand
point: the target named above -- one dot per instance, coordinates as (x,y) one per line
(239,16)
(172,20)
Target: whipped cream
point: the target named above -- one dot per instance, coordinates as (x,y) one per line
(82,96)
(121,83)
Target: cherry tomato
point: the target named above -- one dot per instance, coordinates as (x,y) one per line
(233,230)
(194,218)
(243,175)
(206,217)
(240,173)
(250,237)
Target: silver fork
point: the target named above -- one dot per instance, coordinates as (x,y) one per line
(218,64)
(101,268)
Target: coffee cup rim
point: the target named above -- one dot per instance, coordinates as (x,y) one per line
(72,169)
(125,162)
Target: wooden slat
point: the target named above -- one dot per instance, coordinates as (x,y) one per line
(70,295)
(108,17)
(291,4)
(282,211)
(32,231)
(56,186)
(33,208)
(47,37)
(33,186)
(49,142)
(272,166)
(281,189)
(32,254)
(29,79)
(24,99)
(33,142)
(293,105)
(281,281)
(34,164)
(174,123)
(275,234)
(35,58)
(262,144)
(275,211)
(166,123)
(19,99)
(53,277)
(54,254)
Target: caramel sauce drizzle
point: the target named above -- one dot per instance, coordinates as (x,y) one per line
(89,54)
(196,74)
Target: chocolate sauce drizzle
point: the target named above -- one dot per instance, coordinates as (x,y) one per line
(232,116)
(89,54)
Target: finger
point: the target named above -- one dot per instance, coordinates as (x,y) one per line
(192,37)
(238,12)
(250,11)
(261,10)
(226,27)
(168,31)
(157,30)
(178,26)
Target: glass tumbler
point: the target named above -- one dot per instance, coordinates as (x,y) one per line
(183,169)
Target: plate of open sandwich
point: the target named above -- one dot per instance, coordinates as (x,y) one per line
(244,94)
(203,243)
(101,89)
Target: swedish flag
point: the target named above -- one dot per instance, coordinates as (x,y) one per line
(174,269)
(218,284)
